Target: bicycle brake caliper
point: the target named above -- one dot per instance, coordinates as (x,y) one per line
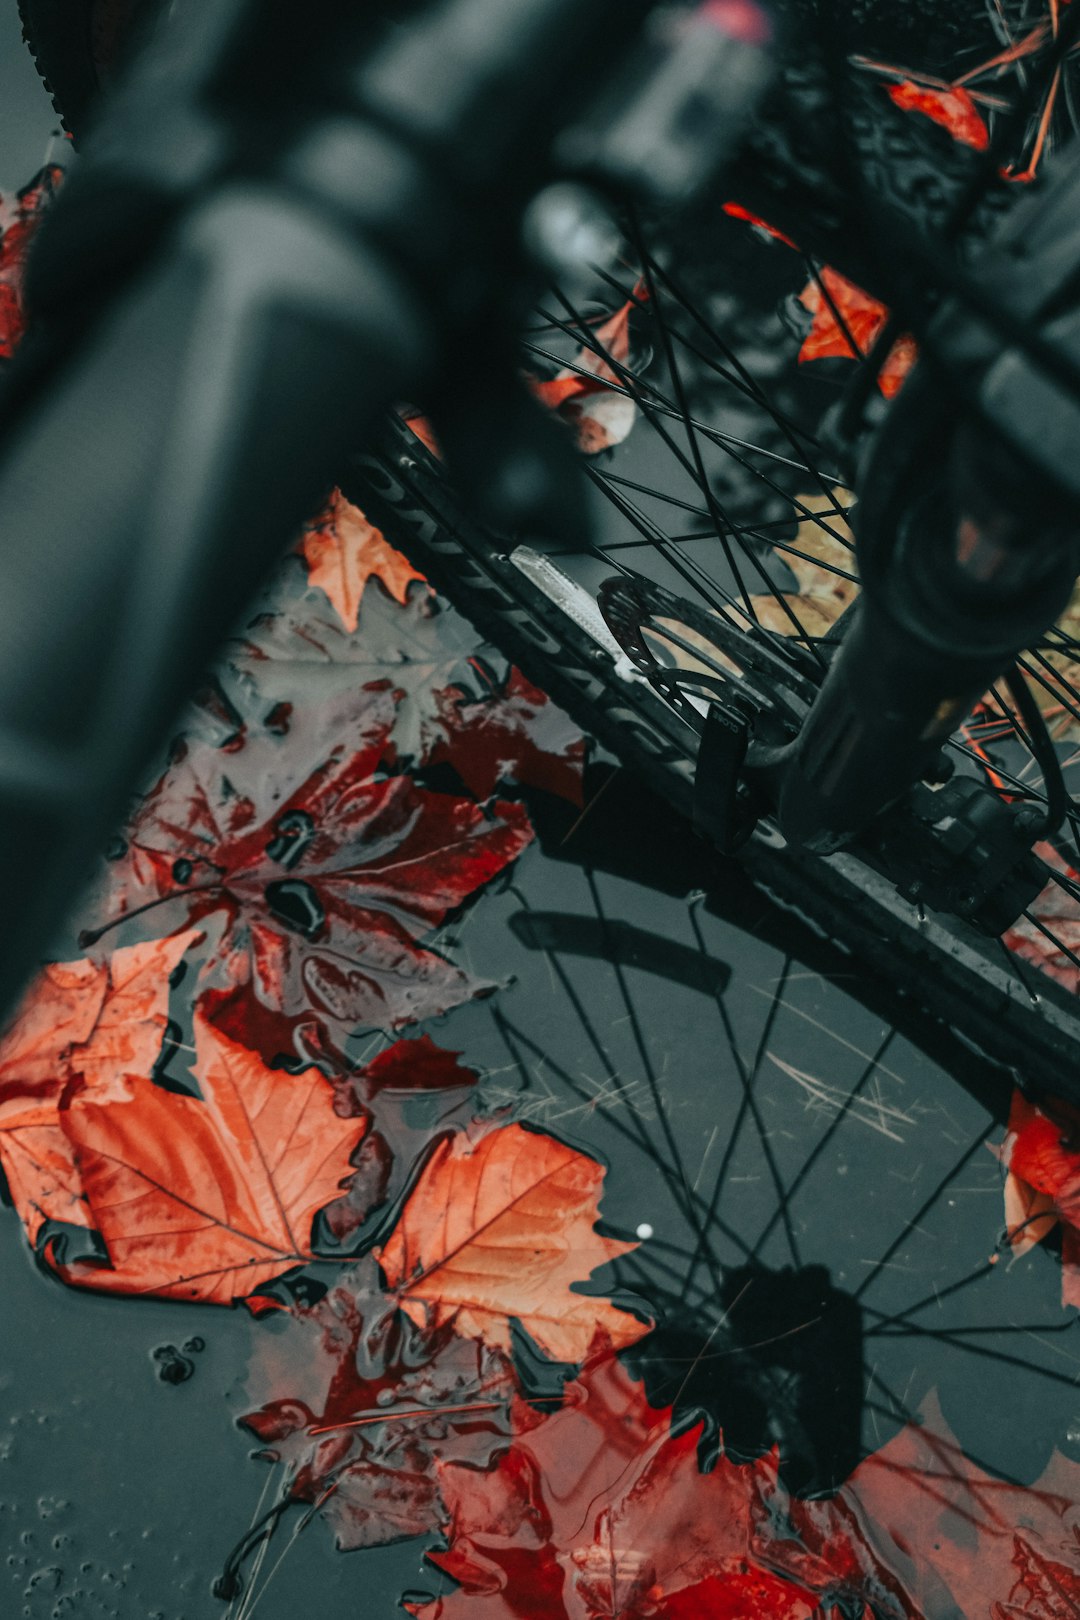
(959,850)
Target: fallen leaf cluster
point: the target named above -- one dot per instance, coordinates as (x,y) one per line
(599,1510)
(408,1361)
(324,873)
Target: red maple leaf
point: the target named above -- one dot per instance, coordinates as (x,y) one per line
(503,1228)
(598,1510)
(360,1405)
(415,1065)
(206,1198)
(517,735)
(325,885)
(846,323)
(19,220)
(343,551)
(950,107)
(1041,1155)
(85,1023)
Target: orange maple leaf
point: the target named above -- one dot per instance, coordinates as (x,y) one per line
(207,1198)
(846,323)
(86,1023)
(503,1228)
(343,551)
(1042,1185)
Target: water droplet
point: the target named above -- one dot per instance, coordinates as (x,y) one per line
(173,1368)
(278,719)
(47,1580)
(297,905)
(292,835)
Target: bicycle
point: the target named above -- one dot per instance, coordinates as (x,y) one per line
(654,720)
(418,494)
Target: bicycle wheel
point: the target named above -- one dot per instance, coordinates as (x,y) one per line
(721,492)
(733,1249)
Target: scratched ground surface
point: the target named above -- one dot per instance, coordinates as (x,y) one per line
(803,1164)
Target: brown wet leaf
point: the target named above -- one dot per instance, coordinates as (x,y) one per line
(822,595)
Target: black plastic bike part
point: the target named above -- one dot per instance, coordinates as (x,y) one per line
(959,850)
(946,968)
(968,538)
(76,44)
(960,571)
(723,812)
(661,130)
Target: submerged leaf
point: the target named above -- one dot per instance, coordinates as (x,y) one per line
(360,1406)
(325,885)
(517,735)
(503,1228)
(599,1510)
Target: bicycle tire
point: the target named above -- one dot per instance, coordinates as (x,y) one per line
(71,44)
